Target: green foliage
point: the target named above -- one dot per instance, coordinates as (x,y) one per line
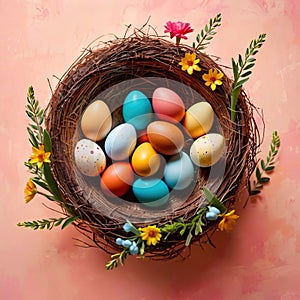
(213,200)
(266,167)
(241,71)
(207,33)
(50,223)
(36,114)
(193,227)
(116,259)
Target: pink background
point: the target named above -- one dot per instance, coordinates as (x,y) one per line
(259,260)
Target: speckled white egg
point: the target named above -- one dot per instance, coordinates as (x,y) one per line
(89,158)
(121,142)
(207,149)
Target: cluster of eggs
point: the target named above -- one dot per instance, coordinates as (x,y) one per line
(146,151)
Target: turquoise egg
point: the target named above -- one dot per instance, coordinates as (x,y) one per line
(152,192)
(179,171)
(137,110)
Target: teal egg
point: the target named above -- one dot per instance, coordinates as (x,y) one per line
(137,110)
(179,171)
(152,192)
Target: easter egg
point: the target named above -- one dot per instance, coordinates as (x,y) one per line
(117,179)
(145,160)
(165,137)
(151,192)
(179,171)
(137,110)
(89,158)
(198,119)
(207,149)
(168,105)
(120,142)
(96,121)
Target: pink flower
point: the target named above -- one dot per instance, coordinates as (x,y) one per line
(178,29)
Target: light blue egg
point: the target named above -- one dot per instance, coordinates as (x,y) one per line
(179,171)
(137,110)
(152,192)
(120,142)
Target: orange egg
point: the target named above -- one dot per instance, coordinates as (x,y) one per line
(145,160)
(165,137)
(117,179)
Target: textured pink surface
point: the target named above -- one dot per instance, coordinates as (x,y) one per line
(259,260)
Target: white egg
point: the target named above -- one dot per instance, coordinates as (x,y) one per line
(89,158)
(121,142)
(207,149)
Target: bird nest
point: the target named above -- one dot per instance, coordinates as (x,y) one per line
(145,62)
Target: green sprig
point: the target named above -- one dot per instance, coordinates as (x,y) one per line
(193,227)
(241,71)
(116,259)
(207,33)
(49,223)
(266,167)
(36,114)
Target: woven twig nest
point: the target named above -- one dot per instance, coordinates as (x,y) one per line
(147,62)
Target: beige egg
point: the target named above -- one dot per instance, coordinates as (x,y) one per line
(198,119)
(96,121)
(207,149)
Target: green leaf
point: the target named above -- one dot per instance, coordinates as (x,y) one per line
(240,60)
(53,187)
(249,66)
(246,74)
(262,163)
(68,221)
(258,174)
(40,183)
(264,179)
(235,68)
(213,200)
(47,141)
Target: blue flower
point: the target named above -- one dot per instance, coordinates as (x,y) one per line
(128,227)
(133,249)
(212,213)
(119,241)
(214,210)
(126,243)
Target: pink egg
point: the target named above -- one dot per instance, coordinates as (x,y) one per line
(168,105)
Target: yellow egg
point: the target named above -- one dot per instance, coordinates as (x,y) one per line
(145,160)
(96,121)
(207,149)
(198,119)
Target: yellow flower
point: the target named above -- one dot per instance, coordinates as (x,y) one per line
(189,63)
(228,221)
(39,156)
(151,234)
(213,78)
(29,191)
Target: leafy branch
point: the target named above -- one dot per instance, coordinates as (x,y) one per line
(116,259)
(194,227)
(50,223)
(266,167)
(241,71)
(36,114)
(207,33)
